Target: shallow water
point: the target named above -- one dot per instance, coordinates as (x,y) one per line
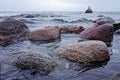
(67,70)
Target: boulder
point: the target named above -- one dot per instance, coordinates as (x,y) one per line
(34,60)
(45,35)
(12,30)
(72,29)
(87,51)
(101,30)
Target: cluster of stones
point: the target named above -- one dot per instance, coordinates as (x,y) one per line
(93,50)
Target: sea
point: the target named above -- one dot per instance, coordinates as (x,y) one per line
(76,71)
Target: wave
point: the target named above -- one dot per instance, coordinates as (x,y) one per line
(60,20)
(27,21)
(74,21)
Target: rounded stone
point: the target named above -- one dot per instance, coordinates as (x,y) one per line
(35,60)
(48,34)
(99,31)
(88,51)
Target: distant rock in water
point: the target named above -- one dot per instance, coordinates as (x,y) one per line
(89,10)
(12,31)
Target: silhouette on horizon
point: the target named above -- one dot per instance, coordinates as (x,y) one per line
(89,10)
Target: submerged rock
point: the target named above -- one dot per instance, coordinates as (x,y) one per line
(35,60)
(45,35)
(72,29)
(105,19)
(12,30)
(117,27)
(88,51)
(101,30)
(29,16)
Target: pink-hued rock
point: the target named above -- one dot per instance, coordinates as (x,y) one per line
(87,51)
(72,29)
(99,31)
(12,30)
(45,35)
(4,38)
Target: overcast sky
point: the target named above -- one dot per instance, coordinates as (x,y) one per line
(59,5)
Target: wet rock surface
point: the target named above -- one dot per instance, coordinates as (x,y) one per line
(35,60)
(88,51)
(99,31)
(12,31)
(89,10)
(48,34)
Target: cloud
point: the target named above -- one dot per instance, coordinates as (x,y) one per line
(44,5)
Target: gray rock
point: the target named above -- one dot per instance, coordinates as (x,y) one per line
(88,51)
(35,60)
(89,10)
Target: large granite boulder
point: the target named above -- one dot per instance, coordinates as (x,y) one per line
(101,30)
(45,35)
(35,60)
(72,29)
(12,30)
(88,51)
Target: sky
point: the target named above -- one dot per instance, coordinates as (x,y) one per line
(59,5)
